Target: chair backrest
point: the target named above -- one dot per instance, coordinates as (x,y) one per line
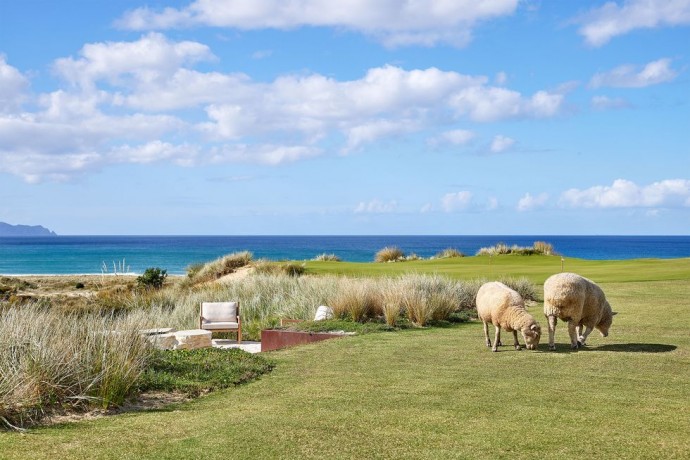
(220,311)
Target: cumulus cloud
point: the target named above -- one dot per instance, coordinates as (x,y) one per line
(376,207)
(146,60)
(295,117)
(392,22)
(487,103)
(457,201)
(612,19)
(12,86)
(626,194)
(501,143)
(629,76)
(529,202)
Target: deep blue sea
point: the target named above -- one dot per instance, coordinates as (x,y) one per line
(98,254)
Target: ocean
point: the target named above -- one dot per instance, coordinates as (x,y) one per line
(107,254)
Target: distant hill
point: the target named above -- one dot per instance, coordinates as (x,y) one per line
(24,230)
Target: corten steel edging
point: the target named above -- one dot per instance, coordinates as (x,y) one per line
(272,339)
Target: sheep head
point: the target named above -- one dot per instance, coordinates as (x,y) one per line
(531,334)
(605,321)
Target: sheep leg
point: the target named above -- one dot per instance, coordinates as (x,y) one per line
(515,342)
(552,331)
(582,338)
(572,330)
(486,334)
(497,339)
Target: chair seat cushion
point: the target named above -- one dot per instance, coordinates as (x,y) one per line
(215,325)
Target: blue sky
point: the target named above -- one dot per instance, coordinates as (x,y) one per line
(237,117)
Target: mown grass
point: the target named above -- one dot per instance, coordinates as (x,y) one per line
(430,393)
(535,267)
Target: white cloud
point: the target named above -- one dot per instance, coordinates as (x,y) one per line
(457,201)
(376,207)
(291,118)
(529,202)
(394,23)
(626,194)
(184,155)
(629,76)
(147,60)
(501,143)
(486,103)
(453,137)
(370,132)
(427,208)
(605,102)
(12,86)
(612,19)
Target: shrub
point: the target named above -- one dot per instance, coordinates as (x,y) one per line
(152,278)
(389,254)
(326,258)
(79,285)
(449,253)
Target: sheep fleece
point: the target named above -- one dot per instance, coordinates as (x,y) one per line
(572,297)
(503,307)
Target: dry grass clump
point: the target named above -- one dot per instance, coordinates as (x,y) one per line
(220,267)
(542,247)
(358,300)
(449,253)
(389,254)
(326,258)
(50,360)
(539,247)
(265,267)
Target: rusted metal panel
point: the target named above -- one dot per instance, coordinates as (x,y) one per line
(272,339)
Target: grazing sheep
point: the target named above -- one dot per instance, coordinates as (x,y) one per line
(504,308)
(580,302)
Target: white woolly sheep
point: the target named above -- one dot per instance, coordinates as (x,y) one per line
(580,302)
(504,308)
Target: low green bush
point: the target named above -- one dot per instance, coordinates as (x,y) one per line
(196,371)
(152,278)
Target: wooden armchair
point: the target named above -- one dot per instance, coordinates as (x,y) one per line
(221,317)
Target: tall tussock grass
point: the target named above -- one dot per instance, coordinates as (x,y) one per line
(51,360)
(326,258)
(219,267)
(389,254)
(539,247)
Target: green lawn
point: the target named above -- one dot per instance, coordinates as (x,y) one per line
(537,268)
(437,393)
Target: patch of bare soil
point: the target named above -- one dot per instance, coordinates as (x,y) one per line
(237,275)
(143,402)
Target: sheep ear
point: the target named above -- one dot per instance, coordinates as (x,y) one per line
(614,313)
(534,327)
